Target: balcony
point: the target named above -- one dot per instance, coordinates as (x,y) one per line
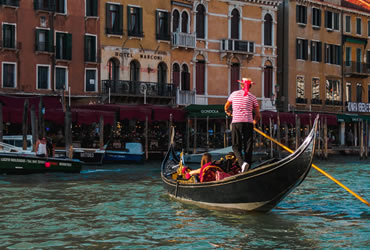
(10,45)
(301,100)
(333,102)
(185,97)
(184,40)
(13,3)
(356,69)
(237,46)
(151,90)
(316,101)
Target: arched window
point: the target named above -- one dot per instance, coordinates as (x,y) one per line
(176,74)
(184,22)
(134,71)
(200,70)
(185,78)
(235,22)
(235,76)
(200,19)
(267,72)
(113,69)
(268,30)
(162,72)
(175,20)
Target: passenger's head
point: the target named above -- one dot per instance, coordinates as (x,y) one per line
(207,157)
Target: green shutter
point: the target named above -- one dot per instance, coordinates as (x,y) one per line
(50,45)
(128,20)
(107,18)
(120,14)
(93,48)
(297,13)
(95,8)
(85,49)
(319,57)
(140,21)
(326,19)
(58,55)
(69,47)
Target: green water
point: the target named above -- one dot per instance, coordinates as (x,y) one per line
(124,206)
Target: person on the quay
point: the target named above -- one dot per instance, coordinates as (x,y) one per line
(243,104)
(41,149)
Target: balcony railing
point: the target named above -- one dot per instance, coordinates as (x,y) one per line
(356,68)
(301,100)
(185,97)
(14,3)
(184,40)
(316,101)
(333,102)
(136,88)
(4,44)
(237,46)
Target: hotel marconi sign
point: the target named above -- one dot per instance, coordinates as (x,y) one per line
(358,107)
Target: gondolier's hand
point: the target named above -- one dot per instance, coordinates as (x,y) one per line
(228,112)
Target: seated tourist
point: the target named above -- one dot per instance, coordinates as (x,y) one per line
(206,159)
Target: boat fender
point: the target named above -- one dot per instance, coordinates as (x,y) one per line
(47,164)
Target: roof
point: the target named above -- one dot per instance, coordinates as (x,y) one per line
(357,4)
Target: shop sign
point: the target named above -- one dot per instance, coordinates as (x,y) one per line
(141,55)
(358,107)
(209,111)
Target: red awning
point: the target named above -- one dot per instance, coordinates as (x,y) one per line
(163,113)
(89,116)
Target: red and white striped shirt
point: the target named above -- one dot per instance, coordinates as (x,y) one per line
(242,106)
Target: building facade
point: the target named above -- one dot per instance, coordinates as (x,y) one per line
(49,47)
(215,43)
(135,50)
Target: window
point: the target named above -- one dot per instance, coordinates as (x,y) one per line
(44,5)
(333,92)
(184,22)
(91,7)
(175,21)
(358,26)
(162,73)
(9,36)
(358,60)
(302,49)
(163,25)
(235,76)
(268,72)
(368,28)
(134,71)
(316,17)
(43,76)
(368,93)
(331,20)
(60,6)
(176,74)
(113,69)
(316,88)
(14,3)
(200,21)
(90,84)
(316,51)
(348,56)
(268,30)
(61,78)
(135,23)
(358,92)
(9,75)
(348,92)
(235,24)
(185,78)
(200,77)
(368,59)
(301,14)
(348,24)
(90,48)
(300,87)
(114,19)
(44,40)
(332,54)
(63,46)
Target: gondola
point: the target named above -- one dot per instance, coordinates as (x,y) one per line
(259,189)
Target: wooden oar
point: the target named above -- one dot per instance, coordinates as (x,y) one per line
(315,167)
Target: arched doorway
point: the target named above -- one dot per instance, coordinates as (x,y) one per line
(185,78)
(176,74)
(268,73)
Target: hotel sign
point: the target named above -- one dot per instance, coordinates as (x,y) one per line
(358,107)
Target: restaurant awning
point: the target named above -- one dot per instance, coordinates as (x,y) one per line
(203,111)
(352,117)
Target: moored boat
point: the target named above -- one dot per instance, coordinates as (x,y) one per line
(13,161)
(132,152)
(259,189)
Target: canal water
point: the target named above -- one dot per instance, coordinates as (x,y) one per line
(124,206)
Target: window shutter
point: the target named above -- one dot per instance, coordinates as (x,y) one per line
(58,55)
(36,39)
(107,18)
(326,19)
(297,49)
(305,14)
(85,50)
(297,13)
(93,48)
(319,17)
(168,24)
(319,50)
(95,7)
(12,38)
(120,14)
(325,53)
(60,6)
(339,48)
(336,21)
(140,12)
(50,41)
(69,47)
(305,49)
(128,20)
(312,50)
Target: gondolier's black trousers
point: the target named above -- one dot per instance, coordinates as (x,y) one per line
(242,139)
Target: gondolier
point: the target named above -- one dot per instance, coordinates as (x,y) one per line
(243,104)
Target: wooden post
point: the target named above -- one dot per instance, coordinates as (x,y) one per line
(68,132)
(286,135)
(319,138)
(169,130)
(41,118)
(195,136)
(310,125)
(226,135)
(1,122)
(207,133)
(146,138)
(25,123)
(278,134)
(355,128)
(326,138)
(35,135)
(366,138)
(101,132)
(296,132)
(361,139)
(271,135)
(188,135)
